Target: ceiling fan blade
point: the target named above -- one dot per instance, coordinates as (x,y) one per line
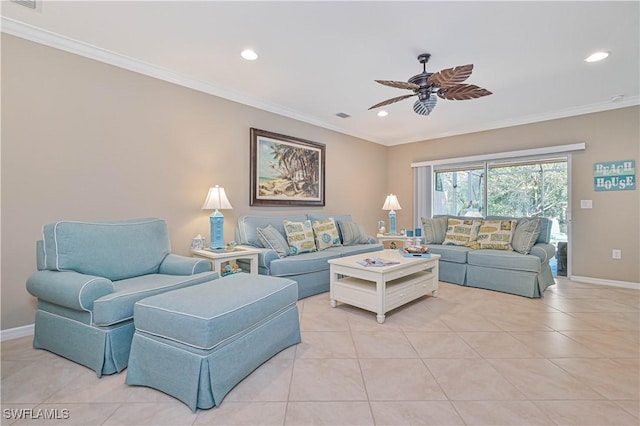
(399,84)
(392,100)
(450,76)
(462,92)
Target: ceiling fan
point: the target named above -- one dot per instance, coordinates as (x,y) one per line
(445,84)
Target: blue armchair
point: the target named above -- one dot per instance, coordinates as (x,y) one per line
(89,277)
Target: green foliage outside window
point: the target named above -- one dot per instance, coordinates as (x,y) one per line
(526,189)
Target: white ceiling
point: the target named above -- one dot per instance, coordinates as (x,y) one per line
(321,58)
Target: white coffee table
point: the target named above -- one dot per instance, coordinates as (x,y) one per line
(218,258)
(382,289)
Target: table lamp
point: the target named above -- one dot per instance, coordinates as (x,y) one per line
(392,204)
(217,199)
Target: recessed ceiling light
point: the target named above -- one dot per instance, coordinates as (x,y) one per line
(249,55)
(598,56)
(383,114)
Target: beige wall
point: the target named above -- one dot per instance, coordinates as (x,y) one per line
(87,141)
(614,221)
(82,140)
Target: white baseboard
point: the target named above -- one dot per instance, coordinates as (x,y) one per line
(612,283)
(16,333)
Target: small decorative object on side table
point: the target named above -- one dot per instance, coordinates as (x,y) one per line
(219,260)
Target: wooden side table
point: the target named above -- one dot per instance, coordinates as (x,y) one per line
(219,258)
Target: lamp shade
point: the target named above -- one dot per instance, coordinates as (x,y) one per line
(216,199)
(391,203)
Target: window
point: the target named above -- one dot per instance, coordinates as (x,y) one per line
(459,191)
(529,187)
(533,188)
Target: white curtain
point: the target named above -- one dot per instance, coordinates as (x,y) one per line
(422,193)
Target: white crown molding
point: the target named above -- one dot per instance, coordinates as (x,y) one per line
(536,118)
(57,41)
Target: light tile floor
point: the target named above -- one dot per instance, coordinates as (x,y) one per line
(470,356)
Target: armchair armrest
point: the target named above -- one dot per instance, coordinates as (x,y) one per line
(175,264)
(68,288)
(544,251)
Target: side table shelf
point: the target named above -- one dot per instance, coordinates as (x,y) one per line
(218,259)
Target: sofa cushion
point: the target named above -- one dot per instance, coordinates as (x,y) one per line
(271,238)
(500,259)
(526,234)
(118,306)
(496,234)
(462,232)
(304,263)
(114,250)
(545,225)
(434,229)
(336,218)
(456,254)
(326,233)
(352,233)
(545,230)
(300,236)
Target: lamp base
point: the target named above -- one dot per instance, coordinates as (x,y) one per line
(217,230)
(392,223)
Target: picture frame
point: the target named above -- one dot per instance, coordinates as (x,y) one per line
(286,170)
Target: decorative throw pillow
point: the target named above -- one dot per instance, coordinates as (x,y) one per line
(462,232)
(526,234)
(326,233)
(299,236)
(434,229)
(496,234)
(352,233)
(271,238)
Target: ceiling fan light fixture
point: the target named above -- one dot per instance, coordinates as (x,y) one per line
(597,56)
(425,107)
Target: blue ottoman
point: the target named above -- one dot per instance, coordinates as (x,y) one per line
(197,343)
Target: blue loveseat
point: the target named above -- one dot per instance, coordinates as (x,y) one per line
(525,272)
(310,270)
(89,277)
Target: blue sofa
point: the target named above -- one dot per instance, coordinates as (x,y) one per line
(89,277)
(310,270)
(506,271)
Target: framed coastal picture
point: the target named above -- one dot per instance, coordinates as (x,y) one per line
(286,171)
